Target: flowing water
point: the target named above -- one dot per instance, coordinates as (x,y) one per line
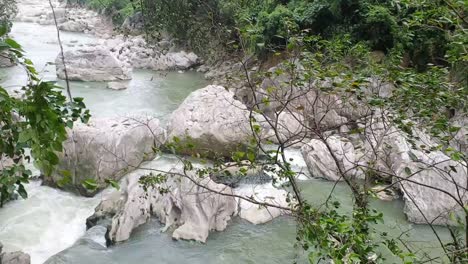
(51,220)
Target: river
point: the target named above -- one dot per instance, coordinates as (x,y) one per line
(52,220)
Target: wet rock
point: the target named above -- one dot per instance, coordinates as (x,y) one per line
(117,85)
(91,64)
(190,209)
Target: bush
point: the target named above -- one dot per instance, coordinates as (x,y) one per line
(378,28)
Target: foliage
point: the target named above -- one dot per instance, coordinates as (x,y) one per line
(118,10)
(36,120)
(8,10)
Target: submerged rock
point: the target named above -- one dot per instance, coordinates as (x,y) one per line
(117,85)
(213,121)
(106,149)
(91,64)
(191,210)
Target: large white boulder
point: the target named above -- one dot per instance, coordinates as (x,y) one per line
(256,213)
(213,120)
(431,183)
(91,64)
(192,210)
(106,149)
(321,163)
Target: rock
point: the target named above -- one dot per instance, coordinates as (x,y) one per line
(429,182)
(322,164)
(290,127)
(233,174)
(203,68)
(460,139)
(213,121)
(176,61)
(191,210)
(73,26)
(266,193)
(91,64)
(17,257)
(384,193)
(117,85)
(6,60)
(95,236)
(134,24)
(106,149)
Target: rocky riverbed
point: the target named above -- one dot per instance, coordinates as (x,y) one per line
(141,97)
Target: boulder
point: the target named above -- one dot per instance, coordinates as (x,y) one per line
(430,182)
(178,202)
(106,149)
(176,61)
(265,193)
(117,85)
(321,163)
(91,64)
(6,60)
(73,26)
(17,257)
(213,121)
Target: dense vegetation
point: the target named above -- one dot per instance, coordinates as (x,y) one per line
(426,31)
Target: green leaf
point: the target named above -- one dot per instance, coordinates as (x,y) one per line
(3,30)
(113,183)
(251,156)
(52,158)
(408,171)
(90,184)
(13,43)
(412,156)
(24,136)
(22,191)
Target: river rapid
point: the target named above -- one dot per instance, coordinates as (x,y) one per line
(51,221)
